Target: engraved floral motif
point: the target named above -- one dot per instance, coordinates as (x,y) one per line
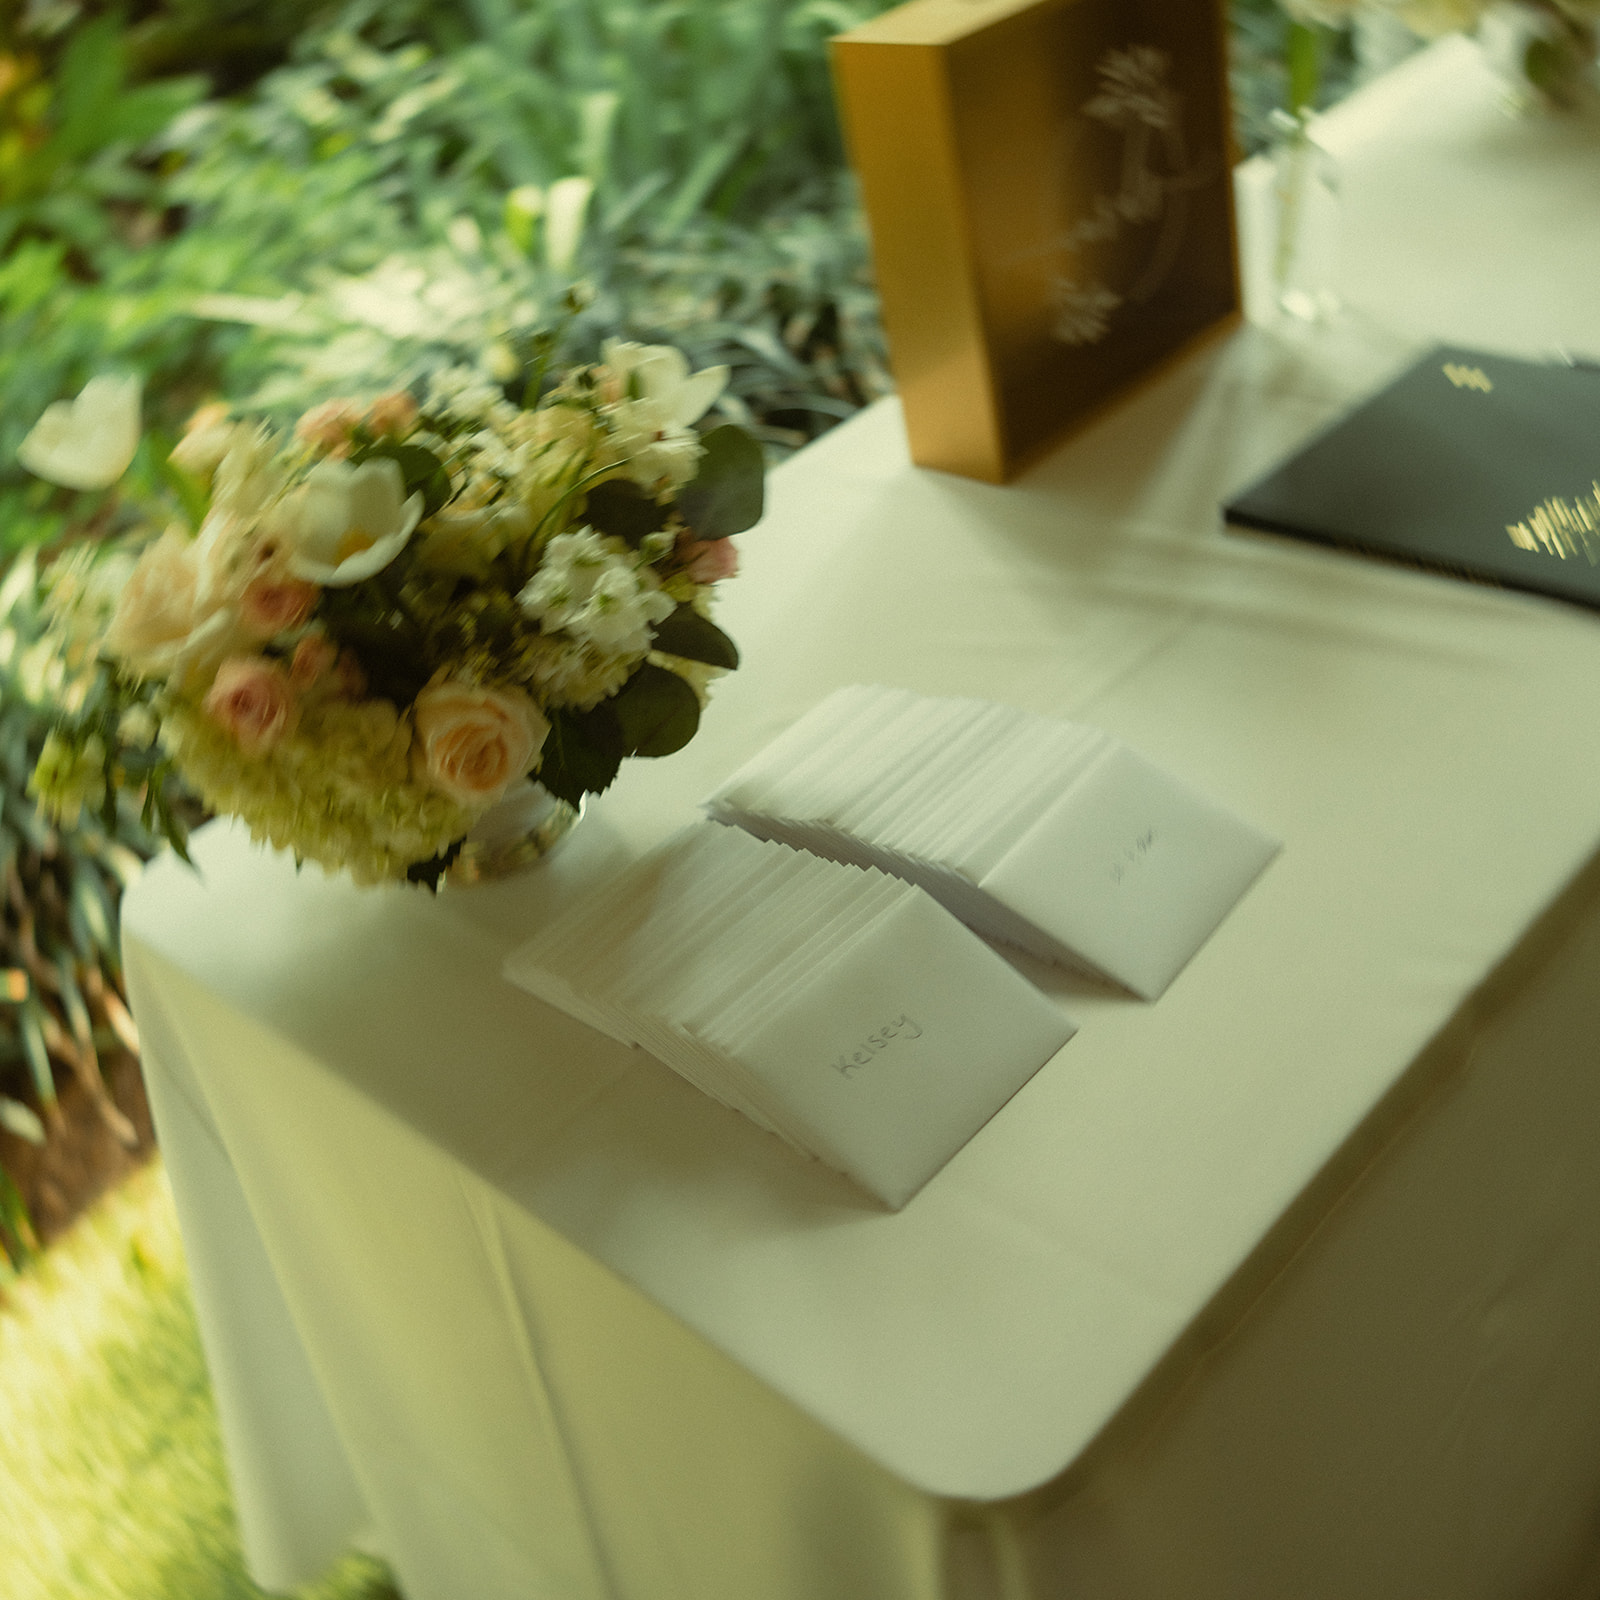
(1134,91)
(1082,311)
(1135,99)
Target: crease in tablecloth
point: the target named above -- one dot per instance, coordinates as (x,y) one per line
(492,1242)
(296,1498)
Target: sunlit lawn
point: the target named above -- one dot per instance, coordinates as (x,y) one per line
(112,1485)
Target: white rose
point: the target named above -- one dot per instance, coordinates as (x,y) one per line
(345,523)
(86,443)
(473,742)
(554,442)
(467,541)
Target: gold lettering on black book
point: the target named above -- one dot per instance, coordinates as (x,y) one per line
(1562,528)
(1467,377)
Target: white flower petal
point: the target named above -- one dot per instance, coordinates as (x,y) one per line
(661,368)
(322,513)
(376,492)
(695,394)
(565,206)
(362,564)
(86,443)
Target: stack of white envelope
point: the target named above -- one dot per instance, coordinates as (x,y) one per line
(1047,835)
(837,1007)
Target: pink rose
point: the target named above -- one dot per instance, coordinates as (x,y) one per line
(272,605)
(330,425)
(318,660)
(349,681)
(314,658)
(708,560)
(392,414)
(473,742)
(253,700)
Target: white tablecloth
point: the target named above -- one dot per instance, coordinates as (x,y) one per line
(1283,1285)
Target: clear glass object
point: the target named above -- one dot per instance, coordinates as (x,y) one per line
(513,834)
(1306,222)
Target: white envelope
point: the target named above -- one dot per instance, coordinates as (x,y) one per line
(1130,870)
(893,1056)
(839,1008)
(1058,839)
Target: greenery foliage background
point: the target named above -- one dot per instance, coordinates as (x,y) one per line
(111,1464)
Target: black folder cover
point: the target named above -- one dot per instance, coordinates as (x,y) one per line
(1475,464)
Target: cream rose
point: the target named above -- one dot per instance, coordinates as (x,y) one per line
(156,611)
(252,699)
(392,414)
(472,742)
(330,425)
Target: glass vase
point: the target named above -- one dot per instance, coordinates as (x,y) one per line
(1305,230)
(514,834)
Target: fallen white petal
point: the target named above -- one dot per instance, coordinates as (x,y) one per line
(86,443)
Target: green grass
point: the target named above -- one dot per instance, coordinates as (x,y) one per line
(112,1485)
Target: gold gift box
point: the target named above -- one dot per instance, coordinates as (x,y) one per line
(1049,189)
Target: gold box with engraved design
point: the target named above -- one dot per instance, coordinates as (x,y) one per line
(1049,189)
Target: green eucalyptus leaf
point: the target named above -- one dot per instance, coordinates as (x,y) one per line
(686,633)
(93,905)
(623,509)
(72,1001)
(420,470)
(729,491)
(582,752)
(173,830)
(31,1022)
(657,711)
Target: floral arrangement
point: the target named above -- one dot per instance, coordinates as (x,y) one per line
(360,637)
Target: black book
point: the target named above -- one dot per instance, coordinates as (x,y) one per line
(1473,464)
